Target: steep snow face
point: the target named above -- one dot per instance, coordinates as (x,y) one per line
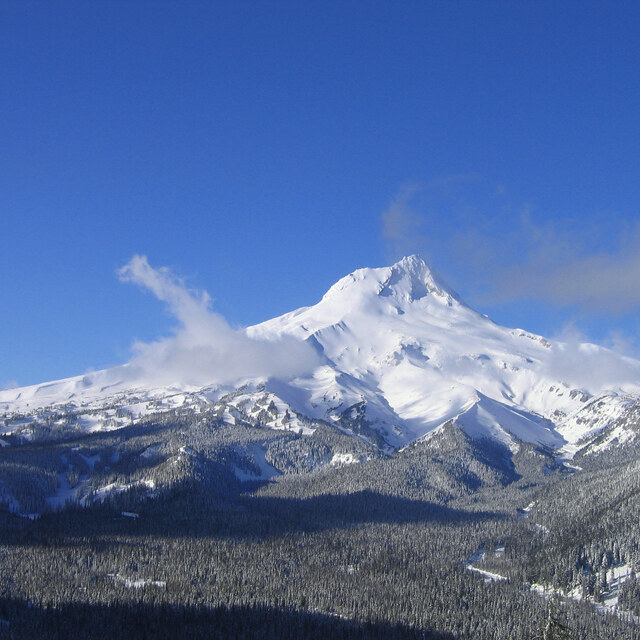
(494,420)
(400,355)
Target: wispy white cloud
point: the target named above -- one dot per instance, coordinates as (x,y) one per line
(401,225)
(204,349)
(599,282)
(581,364)
(506,251)
(622,342)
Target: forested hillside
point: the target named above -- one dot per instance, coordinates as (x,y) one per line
(227,530)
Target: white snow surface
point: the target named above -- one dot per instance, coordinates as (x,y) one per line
(129,583)
(262,470)
(616,577)
(479,556)
(395,340)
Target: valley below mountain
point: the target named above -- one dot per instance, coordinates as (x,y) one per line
(427,474)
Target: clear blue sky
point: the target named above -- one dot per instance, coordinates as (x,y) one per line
(262,150)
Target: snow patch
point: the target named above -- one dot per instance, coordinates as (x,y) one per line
(103,493)
(616,576)
(136,584)
(340,459)
(260,468)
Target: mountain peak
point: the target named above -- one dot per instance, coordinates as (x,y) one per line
(408,280)
(422,277)
(412,262)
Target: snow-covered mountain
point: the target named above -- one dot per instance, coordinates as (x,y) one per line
(400,355)
(400,339)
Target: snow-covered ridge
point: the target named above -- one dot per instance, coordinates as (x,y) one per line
(400,355)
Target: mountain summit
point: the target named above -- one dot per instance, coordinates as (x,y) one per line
(408,280)
(399,355)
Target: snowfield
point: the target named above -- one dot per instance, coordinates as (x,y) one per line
(400,354)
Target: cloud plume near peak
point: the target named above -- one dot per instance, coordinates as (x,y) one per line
(507,250)
(204,349)
(582,364)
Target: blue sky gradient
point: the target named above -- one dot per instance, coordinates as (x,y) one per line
(262,150)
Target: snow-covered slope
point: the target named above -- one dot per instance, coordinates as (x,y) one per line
(407,338)
(401,354)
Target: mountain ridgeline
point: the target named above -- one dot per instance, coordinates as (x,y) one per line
(432,475)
